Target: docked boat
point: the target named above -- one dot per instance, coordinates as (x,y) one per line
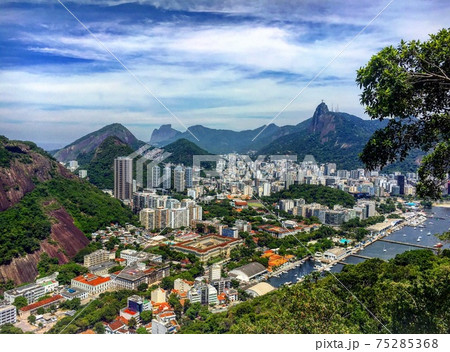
(418,239)
(438,245)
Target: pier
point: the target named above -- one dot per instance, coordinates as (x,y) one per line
(360,256)
(407,244)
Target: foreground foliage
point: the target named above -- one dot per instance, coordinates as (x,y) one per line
(410,83)
(408,294)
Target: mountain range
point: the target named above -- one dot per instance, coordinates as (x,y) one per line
(328,135)
(341,130)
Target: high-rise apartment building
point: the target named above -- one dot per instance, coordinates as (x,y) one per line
(189,177)
(167,177)
(179,179)
(401,183)
(154,180)
(123,178)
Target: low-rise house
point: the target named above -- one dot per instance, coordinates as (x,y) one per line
(232,294)
(116,327)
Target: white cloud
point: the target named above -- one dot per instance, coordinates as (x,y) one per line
(212,74)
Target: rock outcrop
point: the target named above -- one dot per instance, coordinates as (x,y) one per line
(63,243)
(20,177)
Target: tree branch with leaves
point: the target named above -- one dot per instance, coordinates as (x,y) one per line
(410,86)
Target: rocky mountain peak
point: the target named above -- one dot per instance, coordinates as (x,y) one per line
(165,132)
(322,121)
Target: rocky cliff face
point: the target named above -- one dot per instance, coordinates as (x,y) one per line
(164,133)
(64,242)
(22,174)
(23,165)
(323,121)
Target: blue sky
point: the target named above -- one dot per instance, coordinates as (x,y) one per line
(224,64)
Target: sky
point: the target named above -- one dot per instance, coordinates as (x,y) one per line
(223,64)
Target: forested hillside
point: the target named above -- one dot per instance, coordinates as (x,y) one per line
(314,194)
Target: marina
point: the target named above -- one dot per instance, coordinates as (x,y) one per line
(400,239)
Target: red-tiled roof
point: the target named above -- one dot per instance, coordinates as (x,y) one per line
(167,314)
(41,303)
(221,297)
(130,312)
(116,325)
(91,279)
(123,320)
(225,242)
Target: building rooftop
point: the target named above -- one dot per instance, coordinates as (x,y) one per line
(206,243)
(261,288)
(91,279)
(41,303)
(251,269)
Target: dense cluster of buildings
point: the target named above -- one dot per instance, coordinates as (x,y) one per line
(336,216)
(241,176)
(160,211)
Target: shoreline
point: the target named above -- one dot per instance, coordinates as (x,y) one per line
(441,205)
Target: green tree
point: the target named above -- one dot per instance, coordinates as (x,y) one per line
(10,329)
(411,85)
(31,319)
(20,302)
(167,283)
(146,316)
(141,330)
(40,311)
(72,304)
(142,287)
(132,323)
(99,328)
(175,303)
